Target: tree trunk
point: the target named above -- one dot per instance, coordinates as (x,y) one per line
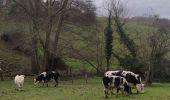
(149,75)
(35,67)
(35,58)
(58,31)
(47,47)
(1,75)
(97,54)
(107,66)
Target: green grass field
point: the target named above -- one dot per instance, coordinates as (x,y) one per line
(93,90)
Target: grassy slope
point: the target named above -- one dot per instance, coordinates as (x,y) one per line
(13,61)
(136,31)
(93,90)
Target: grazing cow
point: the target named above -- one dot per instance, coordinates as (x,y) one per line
(117,82)
(45,77)
(19,82)
(132,79)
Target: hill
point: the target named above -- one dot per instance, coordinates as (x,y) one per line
(82,38)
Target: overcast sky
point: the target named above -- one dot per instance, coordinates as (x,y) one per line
(142,7)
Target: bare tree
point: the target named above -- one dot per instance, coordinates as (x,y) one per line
(51,15)
(91,51)
(154,45)
(34,10)
(159,46)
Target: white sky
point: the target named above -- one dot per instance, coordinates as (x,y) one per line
(141,7)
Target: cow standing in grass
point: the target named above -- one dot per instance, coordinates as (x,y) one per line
(117,82)
(132,79)
(19,82)
(45,77)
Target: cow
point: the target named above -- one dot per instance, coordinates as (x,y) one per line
(132,79)
(45,77)
(19,82)
(117,82)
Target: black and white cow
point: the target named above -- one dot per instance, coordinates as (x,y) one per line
(45,77)
(117,82)
(132,79)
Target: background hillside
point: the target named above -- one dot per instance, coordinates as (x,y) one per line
(75,40)
(81,37)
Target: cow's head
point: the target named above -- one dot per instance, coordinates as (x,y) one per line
(140,88)
(37,80)
(138,79)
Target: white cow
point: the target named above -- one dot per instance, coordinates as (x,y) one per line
(19,81)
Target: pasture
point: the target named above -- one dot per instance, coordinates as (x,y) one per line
(79,90)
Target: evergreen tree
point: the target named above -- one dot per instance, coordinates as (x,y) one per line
(108,40)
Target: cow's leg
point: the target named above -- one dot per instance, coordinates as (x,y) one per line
(56,82)
(46,81)
(137,91)
(106,92)
(130,90)
(16,86)
(22,87)
(122,91)
(19,87)
(47,84)
(43,83)
(111,90)
(126,94)
(117,91)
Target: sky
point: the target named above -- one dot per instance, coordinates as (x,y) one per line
(141,7)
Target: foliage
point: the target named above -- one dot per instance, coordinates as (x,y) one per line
(159,46)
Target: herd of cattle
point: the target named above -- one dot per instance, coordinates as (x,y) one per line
(123,81)
(120,80)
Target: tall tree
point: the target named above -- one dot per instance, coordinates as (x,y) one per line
(108,40)
(32,8)
(118,14)
(158,47)
(37,11)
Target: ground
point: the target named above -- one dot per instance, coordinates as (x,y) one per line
(79,90)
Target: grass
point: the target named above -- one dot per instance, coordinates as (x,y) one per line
(93,90)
